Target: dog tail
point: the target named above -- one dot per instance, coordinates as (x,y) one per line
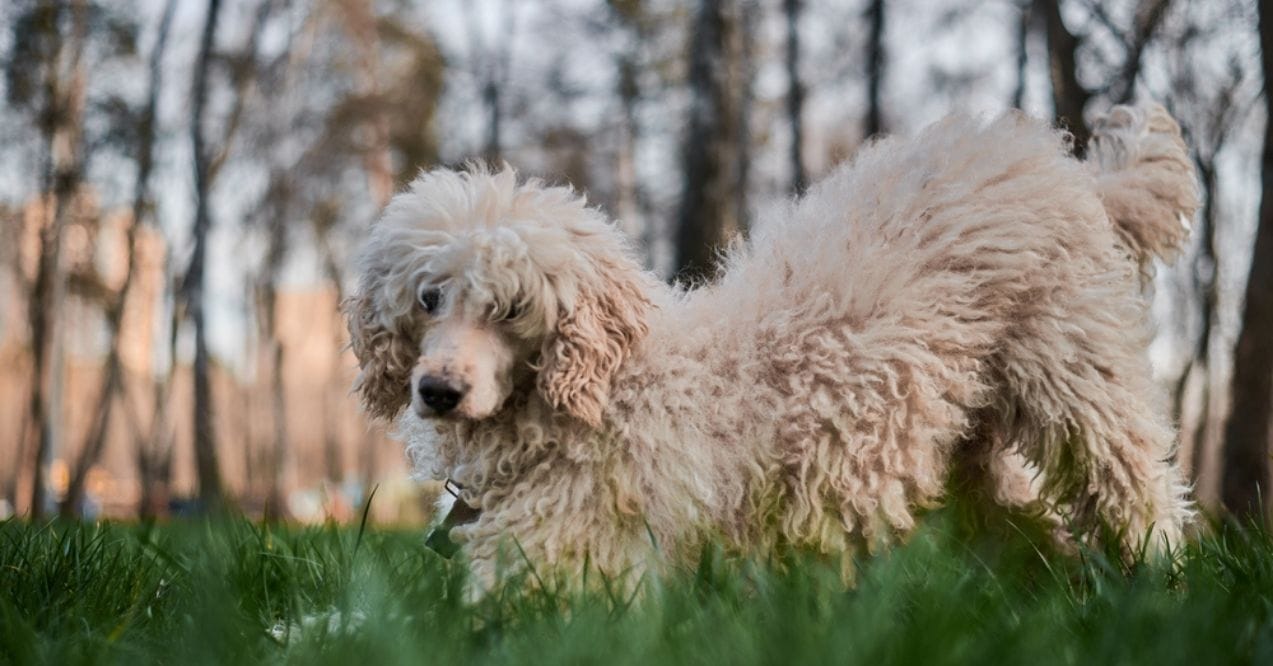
(1145,179)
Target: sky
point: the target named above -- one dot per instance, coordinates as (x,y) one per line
(939,61)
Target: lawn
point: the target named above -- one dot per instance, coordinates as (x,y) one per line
(236,592)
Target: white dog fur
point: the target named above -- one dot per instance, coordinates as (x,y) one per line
(967,298)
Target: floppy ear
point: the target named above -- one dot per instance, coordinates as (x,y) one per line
(592,340)
(385,359)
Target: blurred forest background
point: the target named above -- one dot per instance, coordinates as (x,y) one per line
(181,184)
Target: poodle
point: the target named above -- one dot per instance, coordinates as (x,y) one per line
(968,299)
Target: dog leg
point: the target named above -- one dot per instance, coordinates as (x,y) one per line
(1103,443)
(1131,481)
(546,540)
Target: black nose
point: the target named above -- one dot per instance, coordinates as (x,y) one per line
(438,395)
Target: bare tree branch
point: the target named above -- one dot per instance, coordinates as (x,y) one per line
(1149,17)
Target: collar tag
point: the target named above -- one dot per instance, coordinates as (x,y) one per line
(439,540)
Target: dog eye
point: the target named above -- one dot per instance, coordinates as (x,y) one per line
(429,298)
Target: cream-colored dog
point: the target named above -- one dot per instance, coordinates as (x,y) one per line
(960,299)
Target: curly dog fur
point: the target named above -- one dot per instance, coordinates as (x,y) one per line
(973,292)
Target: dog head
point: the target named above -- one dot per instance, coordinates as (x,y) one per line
(474,286)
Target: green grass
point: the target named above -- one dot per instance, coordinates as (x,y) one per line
(235,592)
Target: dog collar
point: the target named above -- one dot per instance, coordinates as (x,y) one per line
(439,540)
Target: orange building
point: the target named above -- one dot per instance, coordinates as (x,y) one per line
(329,453)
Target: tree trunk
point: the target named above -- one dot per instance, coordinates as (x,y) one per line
(275,504)
(745,46)
(154,450)
(333,462)
(708,214)
(63,126)
(631,203)
(875,69)
(795,96)
(1022,39)
(1247,434)
(1205,275)
(152,445)
(272,348)
(627,194)
(1069,97)
(112,382)
(208,468)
